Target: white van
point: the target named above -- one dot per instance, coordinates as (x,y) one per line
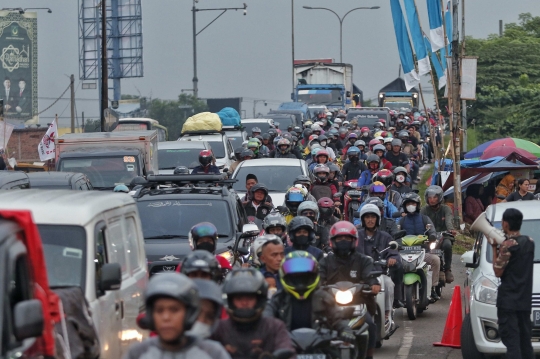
(93,240)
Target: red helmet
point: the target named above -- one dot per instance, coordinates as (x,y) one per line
(374,142)
(384,134)
(364,129)
(325,202)
(322,153)
(343,228)
(205,157)
(385,176)
(383,121)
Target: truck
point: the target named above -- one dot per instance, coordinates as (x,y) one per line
(396,97)
(323,82)
(108,158)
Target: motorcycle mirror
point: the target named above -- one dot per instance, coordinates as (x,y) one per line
(243,251)
(396,214)
(282,209)
(394,244)
(399,234)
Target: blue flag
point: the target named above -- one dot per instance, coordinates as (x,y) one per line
(436,29)
(449,30)
(441,74)
(418,38)
(404,46)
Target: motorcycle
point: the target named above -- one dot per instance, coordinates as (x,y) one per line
(314,343)
(435,248)
(352,199)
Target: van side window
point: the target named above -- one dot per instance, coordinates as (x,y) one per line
(101,252)
(115,245)
(132,243)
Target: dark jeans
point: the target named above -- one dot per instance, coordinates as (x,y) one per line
(414,171)
(396,273)
(515,331)
(447,249)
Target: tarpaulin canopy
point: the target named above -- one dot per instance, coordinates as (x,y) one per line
(508,142)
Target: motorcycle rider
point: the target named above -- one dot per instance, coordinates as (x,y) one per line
(387,178)
(275,224)
(396,157)
(321,158)
(346,264)
(305,181)
(415,224)
(302,236)
(172,308)
(370,237)
(380,150)
(294,196)
(378,189)
(387,225)
(399,182)
(258,206)
(283,149)
(272,252)
(441,216)
(351,139)
(354,167)
(323,140)
(327,218)
(246,333)
(322,187)
(201,264)
(204,236)
(206,167)
(373,163)
(239,159)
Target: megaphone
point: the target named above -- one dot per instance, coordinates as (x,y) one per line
(492,234)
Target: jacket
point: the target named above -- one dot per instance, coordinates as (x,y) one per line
(261,211)
(415,224)
(151,348)
(314,251)
(354,268)
(389,210)
(352,170)
(267,274)
(442,218)
(320,190)
(365,178)
(380,240)
(200,170)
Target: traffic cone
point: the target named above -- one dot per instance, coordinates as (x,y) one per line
(452,330)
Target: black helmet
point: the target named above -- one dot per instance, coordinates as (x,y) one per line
(258,187)
(176,286)
(411,197)
(266,136)
(201,261)
(303,180)
(181,170)
(211,291)
(297,223)
(238,153)
(298,130)
(434,191)
(376,201)
(247,153)
(203,229)
(272,132)
(255,130)
(373,158)
(245,281)
(307,132)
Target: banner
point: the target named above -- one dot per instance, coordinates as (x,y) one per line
(404,46)
(436,28)
(441,74)
(47,147)
(449,28)
(6,129)
(468,78)
(424,66)
(18,65)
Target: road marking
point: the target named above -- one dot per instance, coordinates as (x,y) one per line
(406,342)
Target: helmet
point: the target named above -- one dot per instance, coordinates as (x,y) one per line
(388,140)
(181,170)
(253,144)
(276,140)
(294,197)
(320,168)
(272,132)
(364,129)
(343,228)
(314,151)
(353,151)
(434,191)
(287,135)
(403,134)
(376,201)
(258,187)
(284,142)
(374,142)
(373,209)
(273,220)
(299,274)
(203,229)
(379,138)
(308,124)
(379,147)
(307,132)
(303,180)
(384,176)
(255,130)
(176,286)
(323,138)
(376,187)
(211,291)
(384,134)
(352,135)
(326,207)
(377,125)
(315,127)
(342,130)
(298,130)
(333,167)
(400,169)
(373,158)
(245,281)
(205,157)
(396,142)
(256,139)
(258,243)
(122,188)
(322,153)
(411,197)
(238,152)
(266,136)
(247,153)
(203,261)
(308,205)
(297,223)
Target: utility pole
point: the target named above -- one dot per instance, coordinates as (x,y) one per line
(72,88)
(292,49)
(195,79)
(104,67)
(463,102)
(82,129)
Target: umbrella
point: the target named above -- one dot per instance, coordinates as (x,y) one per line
(505,142)
(504,151)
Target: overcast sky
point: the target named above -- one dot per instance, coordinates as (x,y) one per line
(242,56)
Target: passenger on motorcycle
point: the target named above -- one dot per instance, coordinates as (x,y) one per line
(388,144)
(441,216)
(323,140)
(387,178)
(399,185)
(373,164)
(370,237)
(380,150)
(396,156)
(334,177)
(346,264)
(246,334)
(415,224)
(293,198)
(322,187)
(354,167)
(258,206)
(365,134)
(378,189)
(275,224)
(303,237)
(272,252)
(351,139)
(321,158)
(206,158)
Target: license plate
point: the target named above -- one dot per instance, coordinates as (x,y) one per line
(536,318)
(435,251)
(354,193)
(412,248)
(311,356)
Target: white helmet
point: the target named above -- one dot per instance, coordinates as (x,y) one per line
(316,127)
(256,246)
(388,140)
(373,209)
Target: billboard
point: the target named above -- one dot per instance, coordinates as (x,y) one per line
(18,64)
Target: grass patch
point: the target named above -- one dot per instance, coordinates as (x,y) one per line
(462,244)
(422,184)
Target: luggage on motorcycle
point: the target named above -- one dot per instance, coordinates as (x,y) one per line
(229,116)
(204,121)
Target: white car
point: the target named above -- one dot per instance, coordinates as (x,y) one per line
(263,123)
(221,147)
(172,154)
(277,174)
(479,334)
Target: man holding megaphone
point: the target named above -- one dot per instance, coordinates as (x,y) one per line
(513,263)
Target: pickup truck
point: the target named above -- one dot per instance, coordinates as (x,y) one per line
(108,158)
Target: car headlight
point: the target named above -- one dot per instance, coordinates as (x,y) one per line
(485,291)
(344,297)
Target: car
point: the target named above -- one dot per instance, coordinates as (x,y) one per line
(221,146)
(172,154)
(14,180)
(299,109)
(278,174)
(60,180)
(284,120)
(236,134)
(479,334)
(169,205)
(93,240)
(263,123)
(368,116)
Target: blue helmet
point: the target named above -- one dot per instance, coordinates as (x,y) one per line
(353,151)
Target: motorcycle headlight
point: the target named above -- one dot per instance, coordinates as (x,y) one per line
(227,255)
(344,297)
(432,245)
(485,291)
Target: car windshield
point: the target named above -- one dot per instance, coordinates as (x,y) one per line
(320,97)
(169,159)
(65,254)
(284,122)
(218,148)
(275,178)
(264,126)
(162,219)
(132,126)
(398,106)
(529,228)
(104,172)
(364,119)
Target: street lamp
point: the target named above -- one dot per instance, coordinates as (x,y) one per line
(194,10)
(37,8)
(19,9)
(341,23)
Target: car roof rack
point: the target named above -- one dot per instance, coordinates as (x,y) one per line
(233,128)
(201,132)
(200,180)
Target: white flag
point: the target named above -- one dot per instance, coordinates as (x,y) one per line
(46,147)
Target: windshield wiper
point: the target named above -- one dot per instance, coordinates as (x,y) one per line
(167,168)
(334,103)
(167,236)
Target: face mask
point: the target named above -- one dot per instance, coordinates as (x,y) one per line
(323,143)
(312,218)
(354,159)
(411,208)
(365,134)
(326,212)
(201,330)
(400,178)
(343,248)
(206,246)
(301,242)
(352,141)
